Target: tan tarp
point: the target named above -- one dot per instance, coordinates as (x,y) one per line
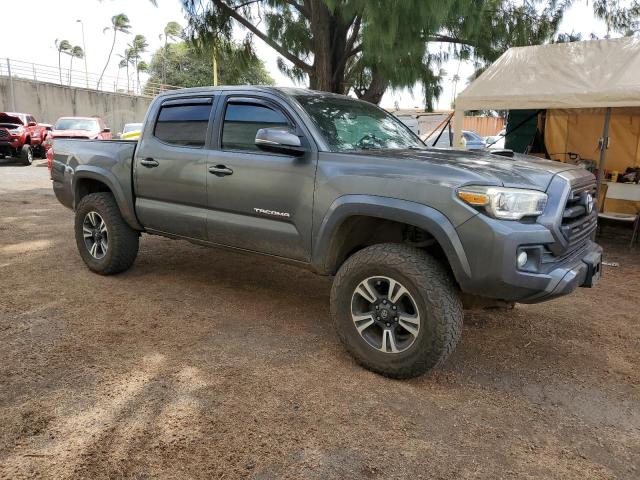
(594,73)
(578,131)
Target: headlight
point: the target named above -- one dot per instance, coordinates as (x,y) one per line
(505,203)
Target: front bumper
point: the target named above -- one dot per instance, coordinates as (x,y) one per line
(491,247)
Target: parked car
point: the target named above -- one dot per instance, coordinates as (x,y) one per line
(473,141)
(343,188)
(21,136)
(90,128)
(131,131)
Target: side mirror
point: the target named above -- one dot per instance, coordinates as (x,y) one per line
(279,140)
(32,124)
(106,130)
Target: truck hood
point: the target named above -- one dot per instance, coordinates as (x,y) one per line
(6,118)
(519,171)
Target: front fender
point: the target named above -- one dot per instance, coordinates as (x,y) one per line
(410,213)
(125,202)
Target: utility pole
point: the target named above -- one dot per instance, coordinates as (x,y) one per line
(84,47)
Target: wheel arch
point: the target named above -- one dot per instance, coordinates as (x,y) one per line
(89,179)
(332,244)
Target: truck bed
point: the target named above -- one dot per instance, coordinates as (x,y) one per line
(75,159)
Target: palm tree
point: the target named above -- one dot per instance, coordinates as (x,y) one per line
(119,23)
(137,47)
(142,67)
(121,64)
(126,59)
(75,52)
(61,46)
(172,30)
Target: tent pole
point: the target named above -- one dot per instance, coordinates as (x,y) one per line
(458,117)
(603,145)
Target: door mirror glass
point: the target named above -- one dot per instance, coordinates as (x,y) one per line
(32,124)
(279,140)
(106,130)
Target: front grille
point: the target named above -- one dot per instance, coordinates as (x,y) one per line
(4,134)
(578,223)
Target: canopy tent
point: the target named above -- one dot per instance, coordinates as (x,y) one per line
(594,73)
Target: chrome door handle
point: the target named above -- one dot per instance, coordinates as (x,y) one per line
(149,162)
(220,171)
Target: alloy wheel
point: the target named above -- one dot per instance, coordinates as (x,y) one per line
(385,314)
(96,235)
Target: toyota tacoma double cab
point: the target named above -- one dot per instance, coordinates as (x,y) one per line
(341,187)
(21,136)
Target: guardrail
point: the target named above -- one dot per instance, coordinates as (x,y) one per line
(81,79)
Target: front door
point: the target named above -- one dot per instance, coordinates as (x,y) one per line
(170,167)
(258,200)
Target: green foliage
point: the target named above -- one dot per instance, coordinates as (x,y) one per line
(119,23)
(619,17)
(172,30)
(62,45)
(77,52)
(367,46)
(188,66)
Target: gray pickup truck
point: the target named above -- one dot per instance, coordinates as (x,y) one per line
(343,188)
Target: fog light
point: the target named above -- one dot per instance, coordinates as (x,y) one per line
(522,259)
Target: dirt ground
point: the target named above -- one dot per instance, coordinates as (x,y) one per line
(201,363)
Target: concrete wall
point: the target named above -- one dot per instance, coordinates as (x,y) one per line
(48,102)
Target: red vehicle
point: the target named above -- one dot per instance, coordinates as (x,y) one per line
(21,136)
(91,128)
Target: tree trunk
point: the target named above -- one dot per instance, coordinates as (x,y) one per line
(329,33)
(376,89)
(60,66)
(164,61)
(108,58)
(137,77)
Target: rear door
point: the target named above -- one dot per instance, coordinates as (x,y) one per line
(170,167)
(258,200)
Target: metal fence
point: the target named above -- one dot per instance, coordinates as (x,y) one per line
(78,78)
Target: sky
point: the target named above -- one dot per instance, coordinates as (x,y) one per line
(60,22)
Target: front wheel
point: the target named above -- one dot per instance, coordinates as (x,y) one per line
(106,243)
(26,155)
(396,309)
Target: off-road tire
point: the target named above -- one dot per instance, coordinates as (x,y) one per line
(26,155)
(435,293)
(123,240)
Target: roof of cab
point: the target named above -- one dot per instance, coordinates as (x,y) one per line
(283,91)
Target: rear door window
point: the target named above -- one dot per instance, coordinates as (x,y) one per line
(243,120)
(183,124)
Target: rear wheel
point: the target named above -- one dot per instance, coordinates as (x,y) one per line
(26,154)
(39,151)
(106,243)
(396,310)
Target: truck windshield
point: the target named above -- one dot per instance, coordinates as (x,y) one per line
(349,125)
(76,124)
